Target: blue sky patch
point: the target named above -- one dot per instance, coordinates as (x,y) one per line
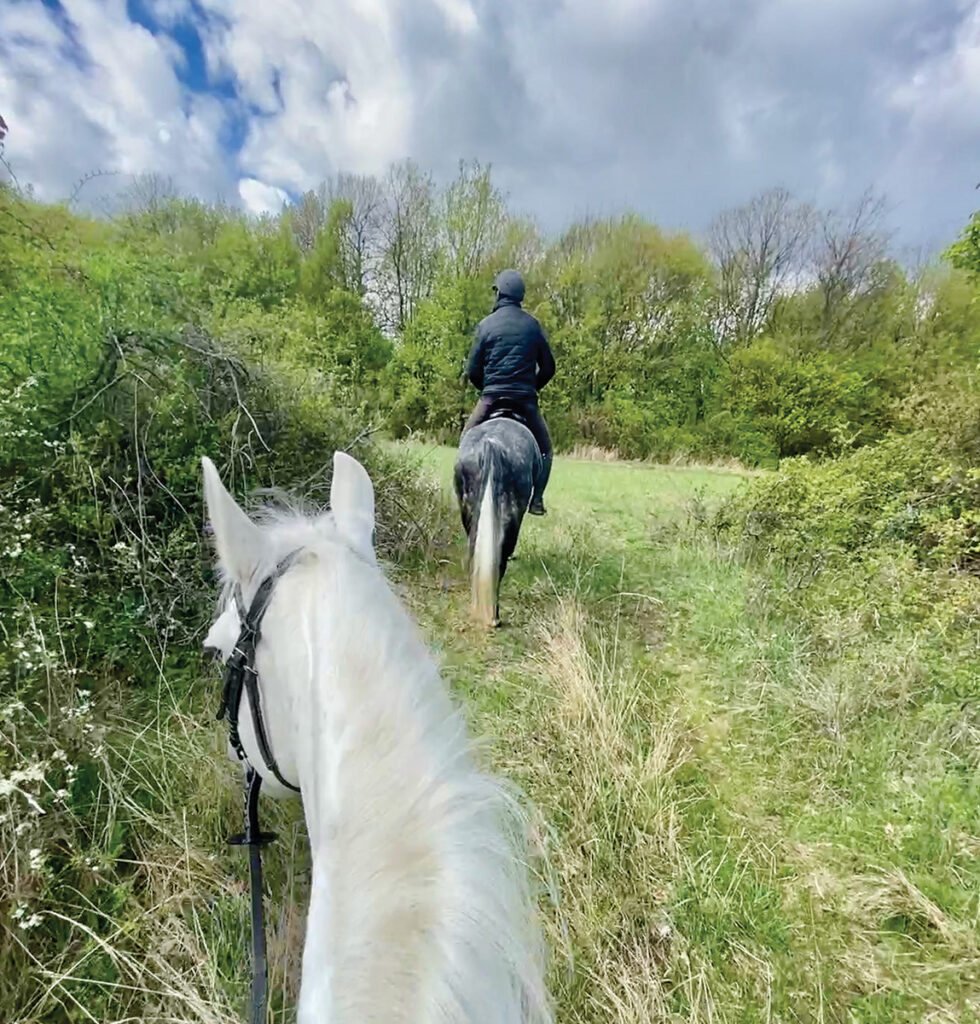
(192,73)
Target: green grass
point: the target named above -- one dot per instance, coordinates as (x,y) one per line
(754,805)
(755,798)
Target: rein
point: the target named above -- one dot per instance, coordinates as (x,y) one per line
(242,676)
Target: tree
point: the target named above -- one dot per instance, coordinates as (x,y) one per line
(11,177)
(329,266)
(474,219)
(306,218)
(848,258)
(149,193)
(361,237)
(253,260)
(964,253)
(759,250)
(623,304)
(521,246)
(427,388)
(359,241)
(409,234)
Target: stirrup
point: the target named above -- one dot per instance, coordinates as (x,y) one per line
(536,508)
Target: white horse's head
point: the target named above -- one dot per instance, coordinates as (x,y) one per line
(249,552)
(420,907)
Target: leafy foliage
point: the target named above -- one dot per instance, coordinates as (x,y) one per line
(130,348)
(128,351)
(965,252)
(907,492)
(425,386)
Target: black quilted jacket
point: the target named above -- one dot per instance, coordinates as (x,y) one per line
(511,357)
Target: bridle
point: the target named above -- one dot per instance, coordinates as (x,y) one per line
(241,676)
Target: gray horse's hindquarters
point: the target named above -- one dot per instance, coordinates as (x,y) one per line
(509,447)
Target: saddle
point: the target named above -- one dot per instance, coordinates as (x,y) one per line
(507,409)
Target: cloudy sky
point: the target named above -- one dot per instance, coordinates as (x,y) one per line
(675,108)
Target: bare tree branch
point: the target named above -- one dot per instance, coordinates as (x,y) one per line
(848,249)
(759,249)
(84,180)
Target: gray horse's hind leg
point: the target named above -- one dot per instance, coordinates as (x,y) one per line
(463,485)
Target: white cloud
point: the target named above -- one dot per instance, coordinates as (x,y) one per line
(102,94)
(677,108)
(260,197)
(168,12)
(938,151)
(459,14)
(683,108)
(328,80)
(943,92)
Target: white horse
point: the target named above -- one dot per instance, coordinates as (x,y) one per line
(420,909)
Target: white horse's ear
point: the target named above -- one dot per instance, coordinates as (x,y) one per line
(237,538)
(352,503)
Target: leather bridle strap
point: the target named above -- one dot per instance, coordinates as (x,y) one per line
(241,674)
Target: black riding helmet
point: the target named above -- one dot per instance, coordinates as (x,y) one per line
(509,284)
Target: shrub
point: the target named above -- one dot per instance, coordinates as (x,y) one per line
(109,395)
(425,386)
(907,491)
(817,402)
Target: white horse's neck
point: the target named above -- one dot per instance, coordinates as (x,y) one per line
(418,911)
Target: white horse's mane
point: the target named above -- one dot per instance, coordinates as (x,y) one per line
(421,909)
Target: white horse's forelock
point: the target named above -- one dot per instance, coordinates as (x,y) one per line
(420,906)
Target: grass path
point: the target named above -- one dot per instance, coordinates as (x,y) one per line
(756,793)
(744,817)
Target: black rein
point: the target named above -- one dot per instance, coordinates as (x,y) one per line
(241,676)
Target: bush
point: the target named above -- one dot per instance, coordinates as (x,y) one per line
(906,492)
(109,396)
(723,434)
(425,385)
(819,402)
(336,343)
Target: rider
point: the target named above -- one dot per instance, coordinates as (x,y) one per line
(511,360)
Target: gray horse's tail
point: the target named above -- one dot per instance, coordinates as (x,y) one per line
(487,543)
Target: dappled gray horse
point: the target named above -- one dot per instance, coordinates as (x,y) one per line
(496,469)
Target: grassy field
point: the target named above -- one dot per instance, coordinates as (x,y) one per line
(750,813)
(749,805)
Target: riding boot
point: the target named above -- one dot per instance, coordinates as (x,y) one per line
(537,502)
